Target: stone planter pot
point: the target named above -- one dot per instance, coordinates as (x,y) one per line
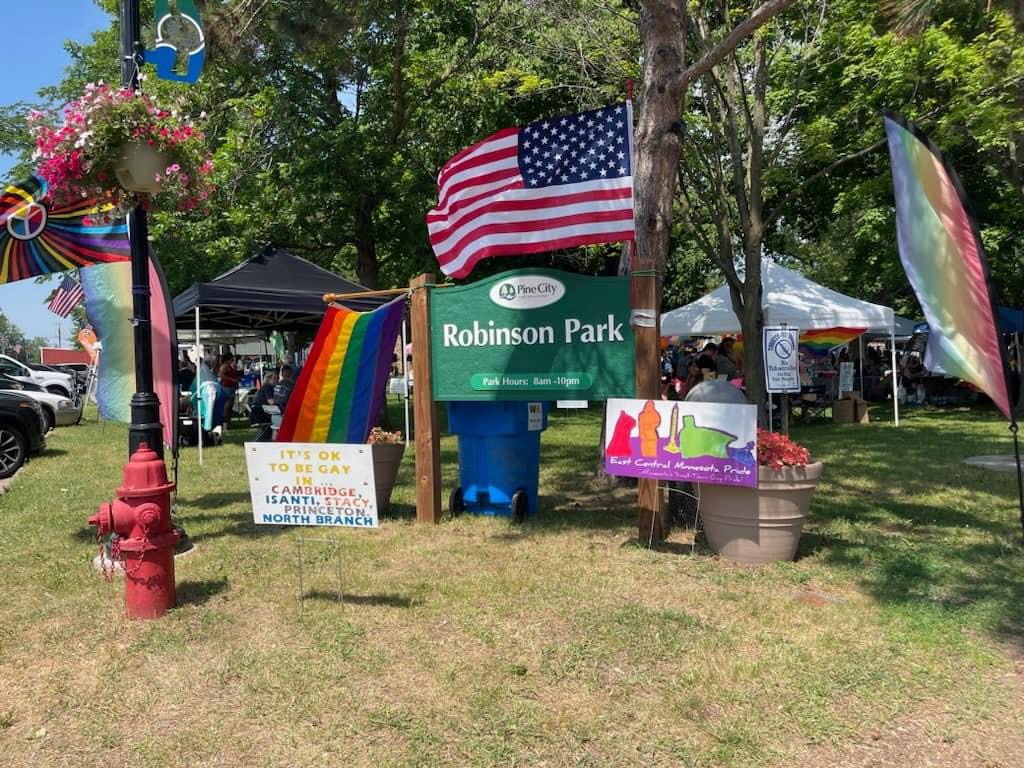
(763,525)
(138,167)
(387,458)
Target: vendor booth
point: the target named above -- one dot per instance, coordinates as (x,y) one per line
(271,291)
(788,299)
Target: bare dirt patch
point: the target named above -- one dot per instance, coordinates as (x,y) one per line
(939,738)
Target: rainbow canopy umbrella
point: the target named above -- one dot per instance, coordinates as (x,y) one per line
(37,238)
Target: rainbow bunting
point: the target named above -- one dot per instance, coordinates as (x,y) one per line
(108,303)
(341,387)
(37,239)
(944,259)
(819,343)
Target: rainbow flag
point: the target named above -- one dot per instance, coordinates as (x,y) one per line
(944,259)
(108,304)
(38,239)
(820,342)
(342,384)
(817,343)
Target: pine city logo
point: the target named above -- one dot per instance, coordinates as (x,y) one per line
(527,292)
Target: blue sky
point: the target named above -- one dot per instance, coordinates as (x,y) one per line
(33,33)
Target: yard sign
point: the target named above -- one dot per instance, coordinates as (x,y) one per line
(695,442)
(312,484)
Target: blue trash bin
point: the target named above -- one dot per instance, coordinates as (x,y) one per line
(499,456)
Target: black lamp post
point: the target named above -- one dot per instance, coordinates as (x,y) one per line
(145,426)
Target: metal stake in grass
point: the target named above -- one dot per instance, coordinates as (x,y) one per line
(1020,476)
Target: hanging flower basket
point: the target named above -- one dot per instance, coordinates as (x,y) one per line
(763,525)
(141,168)
(118,146)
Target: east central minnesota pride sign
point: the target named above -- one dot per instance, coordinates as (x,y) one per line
(532,334)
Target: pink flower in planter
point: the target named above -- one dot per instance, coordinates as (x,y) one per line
(775,450)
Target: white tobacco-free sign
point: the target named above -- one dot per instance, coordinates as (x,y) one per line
(782,358)
(312,484)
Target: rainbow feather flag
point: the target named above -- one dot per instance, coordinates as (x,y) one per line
(108,304)
(341,386)
(37,238)
(944,259)
(819,343)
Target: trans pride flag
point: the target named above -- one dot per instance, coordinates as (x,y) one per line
(945,262)
(342,384)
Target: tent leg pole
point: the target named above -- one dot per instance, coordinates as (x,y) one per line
(199,386)
(895,395)
(860,358)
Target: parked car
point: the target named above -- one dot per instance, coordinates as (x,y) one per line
(21,431)
(58,411)
(79,372)
(53,381)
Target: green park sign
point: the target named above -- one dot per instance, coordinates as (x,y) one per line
(532,334)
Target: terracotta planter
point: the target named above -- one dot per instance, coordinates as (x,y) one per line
(138,168)
(763,525)
(387,458)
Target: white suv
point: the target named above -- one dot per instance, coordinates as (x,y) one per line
(52,381)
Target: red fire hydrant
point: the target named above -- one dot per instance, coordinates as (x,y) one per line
(144,538)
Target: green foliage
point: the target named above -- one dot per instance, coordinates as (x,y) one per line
(330,118)
(10,334)
(960,81)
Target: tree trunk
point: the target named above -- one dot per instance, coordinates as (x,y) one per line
(751,323)
(365,241)
(666,77)
(663,30)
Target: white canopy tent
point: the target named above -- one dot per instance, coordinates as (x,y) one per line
(788,299)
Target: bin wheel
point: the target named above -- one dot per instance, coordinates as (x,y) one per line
(456,504)
(520,506)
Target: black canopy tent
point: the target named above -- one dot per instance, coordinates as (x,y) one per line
(273,290)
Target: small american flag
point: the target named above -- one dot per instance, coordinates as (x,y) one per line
(66,297)
(556,183)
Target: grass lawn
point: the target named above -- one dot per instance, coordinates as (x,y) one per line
(557,643)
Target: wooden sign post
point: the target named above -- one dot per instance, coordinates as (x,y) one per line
(654,520)
(428,438)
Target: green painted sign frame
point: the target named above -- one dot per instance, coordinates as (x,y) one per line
(533,334)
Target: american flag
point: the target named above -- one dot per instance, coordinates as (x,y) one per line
(556,183)
(66,297)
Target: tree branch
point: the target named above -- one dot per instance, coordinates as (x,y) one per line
(778,208)
(727,44)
